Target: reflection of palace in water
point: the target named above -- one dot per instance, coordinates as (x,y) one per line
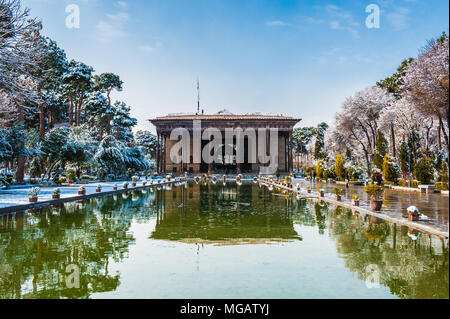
(36,246)
(220,214)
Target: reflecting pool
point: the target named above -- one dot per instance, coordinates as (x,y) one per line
(214,241)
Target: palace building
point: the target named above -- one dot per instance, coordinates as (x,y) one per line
(223,121)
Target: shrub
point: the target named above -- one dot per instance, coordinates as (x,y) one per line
(444,172)
(374,191)
(404,183)
(441,186)
(320,169)
(70,174)
(356,173)
(35,168)
(391,170)
(424,170)
(339,166)
(329,173)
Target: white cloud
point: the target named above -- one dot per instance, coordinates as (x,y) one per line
(398,18)
(277,23)
(148,48)
(121,4)
(112,27)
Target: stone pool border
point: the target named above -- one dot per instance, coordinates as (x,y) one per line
(55,202)
(401,221)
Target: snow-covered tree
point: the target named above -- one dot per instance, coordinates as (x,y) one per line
(77,84)
(147,141)
(122,122)
(426,83)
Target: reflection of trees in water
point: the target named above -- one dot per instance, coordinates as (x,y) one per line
(411,269)
(36,248)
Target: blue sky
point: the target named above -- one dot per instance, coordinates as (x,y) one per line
(298,58)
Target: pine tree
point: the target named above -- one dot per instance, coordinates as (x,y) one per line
(391,170)
(319,148)
(380,150)
(405,155)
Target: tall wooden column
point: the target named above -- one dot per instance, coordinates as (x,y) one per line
(291,162)
(158,148)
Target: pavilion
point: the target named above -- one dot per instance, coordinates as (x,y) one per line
(222,120)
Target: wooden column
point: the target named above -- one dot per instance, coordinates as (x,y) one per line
(158,147)
(291,162)
(164,153)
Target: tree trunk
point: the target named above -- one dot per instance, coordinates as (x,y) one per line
(41,121)
(20,173)
(394,153)
(441,123)
(439,137)
(71,108)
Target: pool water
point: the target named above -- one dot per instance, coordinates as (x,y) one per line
(215,241)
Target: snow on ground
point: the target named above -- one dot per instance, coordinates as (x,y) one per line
(19,196)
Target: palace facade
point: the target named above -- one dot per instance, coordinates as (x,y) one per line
(222,121)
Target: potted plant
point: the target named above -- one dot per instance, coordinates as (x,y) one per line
(56,193)
(33,194)
(355,199)
(322,192)
(297,186)
(144,183)
(168,177)
(308,189)
(82,191)
(413,214)
(338,193)
(70,174)
(99,189)
(135,179)
(125,185)
(115,187)
(376,195)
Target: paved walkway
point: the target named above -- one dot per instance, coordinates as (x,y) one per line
(19,196)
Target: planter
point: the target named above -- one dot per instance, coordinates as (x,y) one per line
(309,191)
(356,202)
(115,188)
(133,184)
(125,187)
(33,199)
(376,205)
(322,194)
(414,217)
(98,190)
(338,197)
(144,183)
(81,193)
(56,196)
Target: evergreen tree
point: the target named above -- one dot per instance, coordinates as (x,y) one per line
(380,150)
(391,170)
(319,148)
(405,155)
(339,166)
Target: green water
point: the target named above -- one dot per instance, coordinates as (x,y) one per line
(214,242)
